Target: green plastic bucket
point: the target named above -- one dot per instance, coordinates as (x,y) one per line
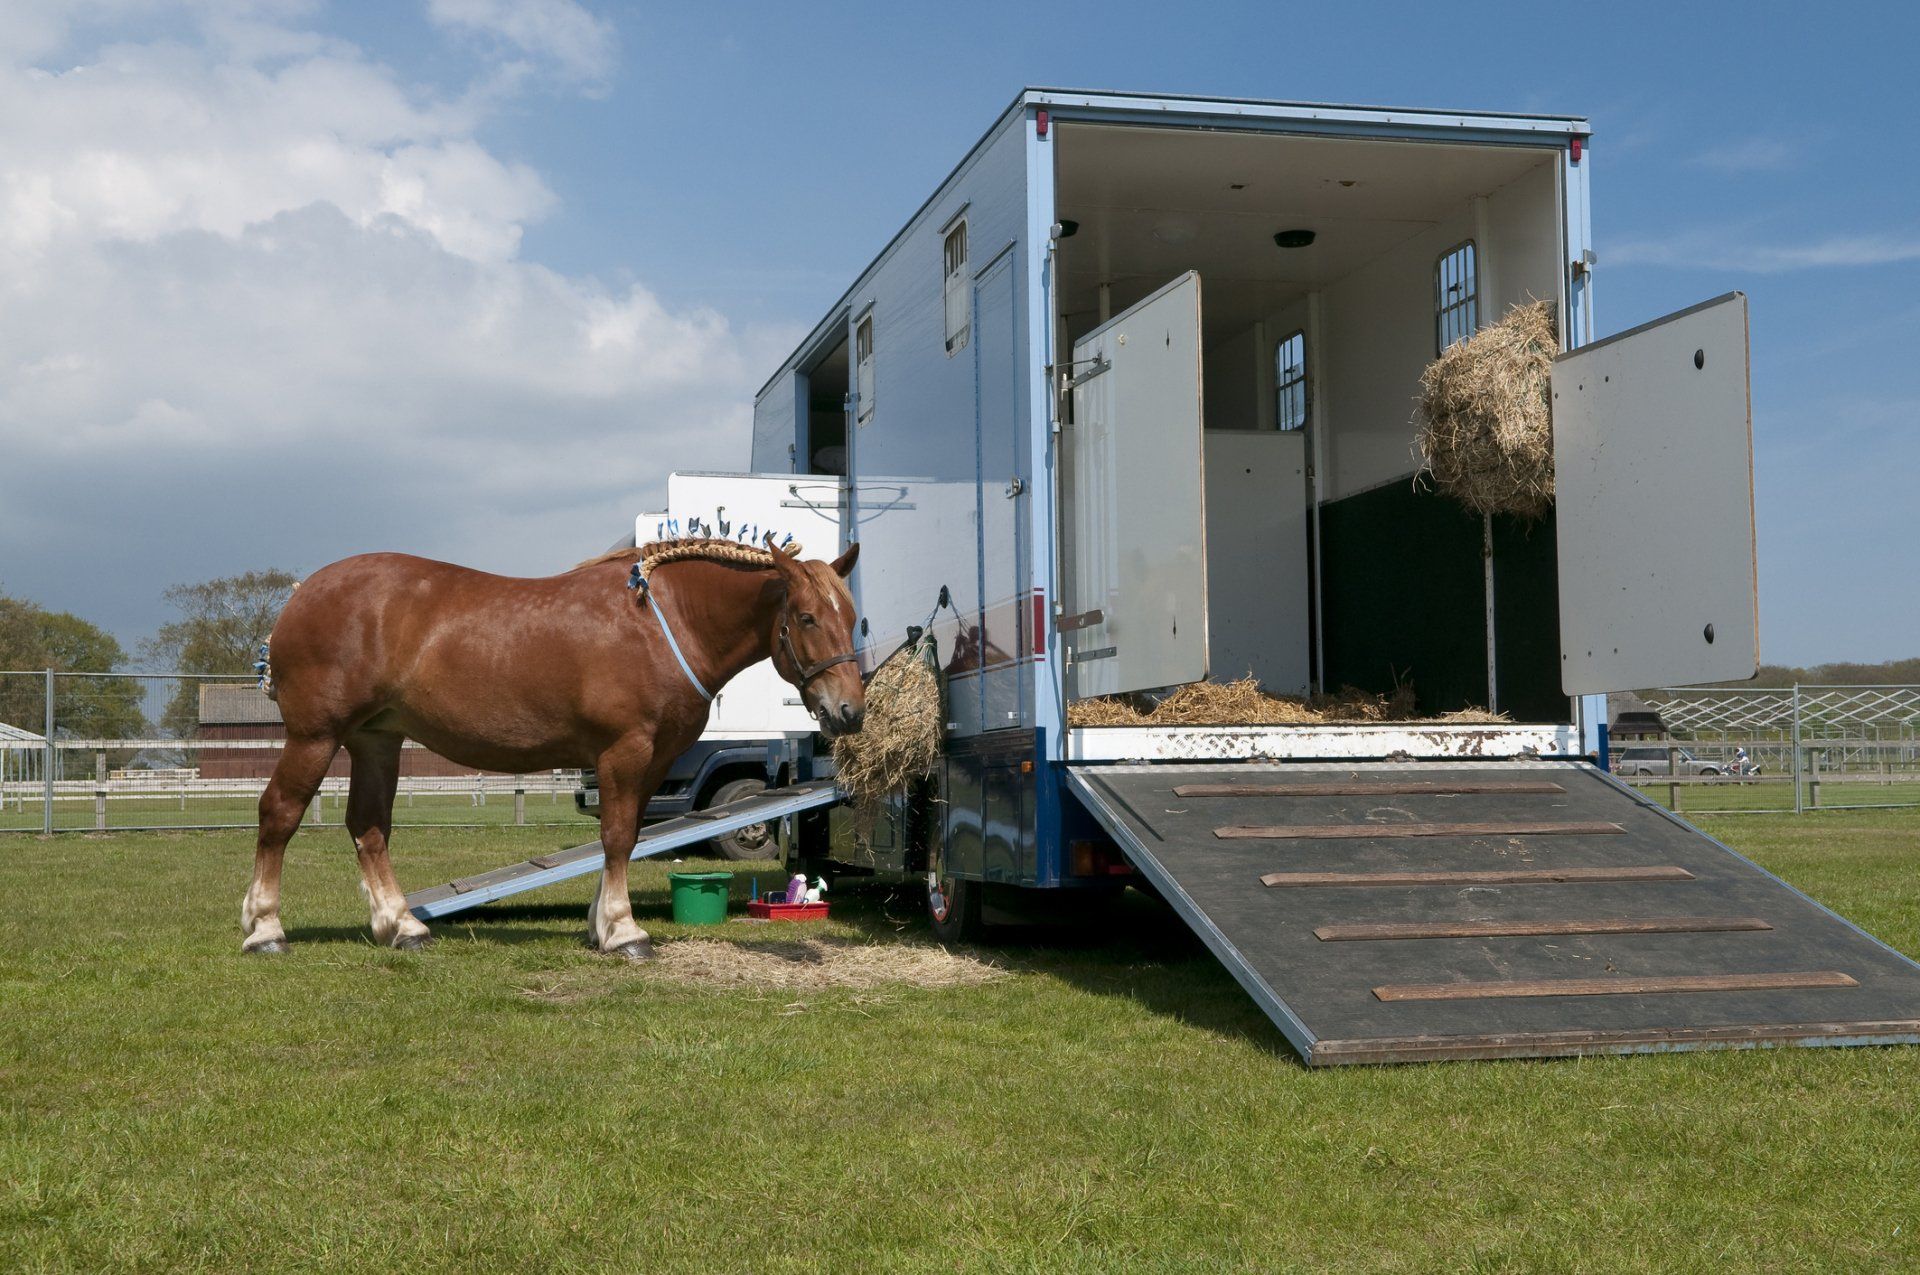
(699,898)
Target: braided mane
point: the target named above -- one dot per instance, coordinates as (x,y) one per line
(656,552)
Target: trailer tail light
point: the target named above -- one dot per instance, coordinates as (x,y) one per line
(1039,629)
(1040,124)
(1096,859)
(1575,150)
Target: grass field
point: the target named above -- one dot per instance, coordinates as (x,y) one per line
(506,1100)
(193,811)
(1731,797)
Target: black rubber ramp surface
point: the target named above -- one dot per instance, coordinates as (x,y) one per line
(1598,953)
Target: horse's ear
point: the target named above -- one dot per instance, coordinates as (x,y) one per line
(783,562)
(843,565)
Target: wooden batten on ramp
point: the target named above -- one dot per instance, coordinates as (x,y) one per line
(1415,912)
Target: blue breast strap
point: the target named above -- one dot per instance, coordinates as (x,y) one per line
(652,592)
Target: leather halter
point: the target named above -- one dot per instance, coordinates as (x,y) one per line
(808,672)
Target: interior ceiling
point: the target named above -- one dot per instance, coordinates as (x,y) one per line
(827,379)
(1153,202)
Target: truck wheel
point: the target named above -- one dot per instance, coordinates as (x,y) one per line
(953,909)
(755,841)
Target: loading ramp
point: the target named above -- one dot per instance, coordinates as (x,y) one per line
(655,839)
(1414,912)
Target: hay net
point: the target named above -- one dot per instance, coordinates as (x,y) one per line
(905,723)
(1485,415)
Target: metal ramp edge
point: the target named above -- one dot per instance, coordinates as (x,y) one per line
(1194,852)
(671,834)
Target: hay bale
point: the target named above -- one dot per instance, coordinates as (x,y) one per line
(1485,413)
(900,738)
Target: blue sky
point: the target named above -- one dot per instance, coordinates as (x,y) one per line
(236,358)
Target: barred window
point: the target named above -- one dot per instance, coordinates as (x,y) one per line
(1290,382)
(1455,296)
(863,362)
(958,295)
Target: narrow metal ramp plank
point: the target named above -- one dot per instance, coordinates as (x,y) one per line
(670,834)
(1477,910)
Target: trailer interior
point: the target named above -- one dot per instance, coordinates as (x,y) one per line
(1332,270)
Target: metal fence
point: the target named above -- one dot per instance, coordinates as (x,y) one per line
(91,752)
(1809,748)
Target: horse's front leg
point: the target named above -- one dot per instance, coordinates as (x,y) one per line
(627,782)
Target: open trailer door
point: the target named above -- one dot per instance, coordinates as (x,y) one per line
(1134,596)
(1653,473)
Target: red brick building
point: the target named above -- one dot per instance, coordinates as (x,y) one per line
(232,711)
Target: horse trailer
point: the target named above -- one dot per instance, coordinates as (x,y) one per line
(1128,404)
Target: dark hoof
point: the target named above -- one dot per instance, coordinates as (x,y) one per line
(634,953)
(412,942)
(271,947)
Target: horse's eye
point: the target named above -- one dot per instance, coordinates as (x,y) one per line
(806,619)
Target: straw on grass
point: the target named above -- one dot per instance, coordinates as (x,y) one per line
(811,963)
(1485,415)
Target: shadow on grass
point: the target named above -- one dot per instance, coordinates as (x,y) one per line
(1137,949)
(507,935)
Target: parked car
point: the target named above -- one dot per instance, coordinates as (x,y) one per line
(1650,760)
(711,773)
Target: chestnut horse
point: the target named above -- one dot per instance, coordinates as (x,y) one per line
(610,665)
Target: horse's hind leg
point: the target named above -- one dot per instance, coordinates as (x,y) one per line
(376,775)
(296,778)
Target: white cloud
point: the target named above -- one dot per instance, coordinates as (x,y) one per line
(260,310)
(1724,252)
(560,31)
(1750,155)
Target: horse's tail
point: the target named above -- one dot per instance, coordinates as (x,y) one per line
(263,658)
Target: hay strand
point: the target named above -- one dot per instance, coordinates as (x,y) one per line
(1485,415)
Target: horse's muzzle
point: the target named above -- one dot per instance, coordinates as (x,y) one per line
(840,717)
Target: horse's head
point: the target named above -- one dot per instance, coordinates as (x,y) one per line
(813,640)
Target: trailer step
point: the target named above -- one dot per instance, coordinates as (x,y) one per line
(670,834)
(1572,917)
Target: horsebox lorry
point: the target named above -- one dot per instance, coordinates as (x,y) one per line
(1126,405)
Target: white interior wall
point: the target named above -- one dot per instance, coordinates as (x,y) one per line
(1523,239)
(1379,337)
(1231,372)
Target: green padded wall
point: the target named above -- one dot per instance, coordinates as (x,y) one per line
(1403,593)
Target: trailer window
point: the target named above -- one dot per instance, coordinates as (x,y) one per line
(1290,382)
(1455,296)
(959,296)
(863,361)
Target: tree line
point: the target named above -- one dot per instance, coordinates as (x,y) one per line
(217,627)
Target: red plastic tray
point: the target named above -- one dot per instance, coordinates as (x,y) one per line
(768,911)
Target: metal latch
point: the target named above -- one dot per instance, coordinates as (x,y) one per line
(1014,487)
(1100,364)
